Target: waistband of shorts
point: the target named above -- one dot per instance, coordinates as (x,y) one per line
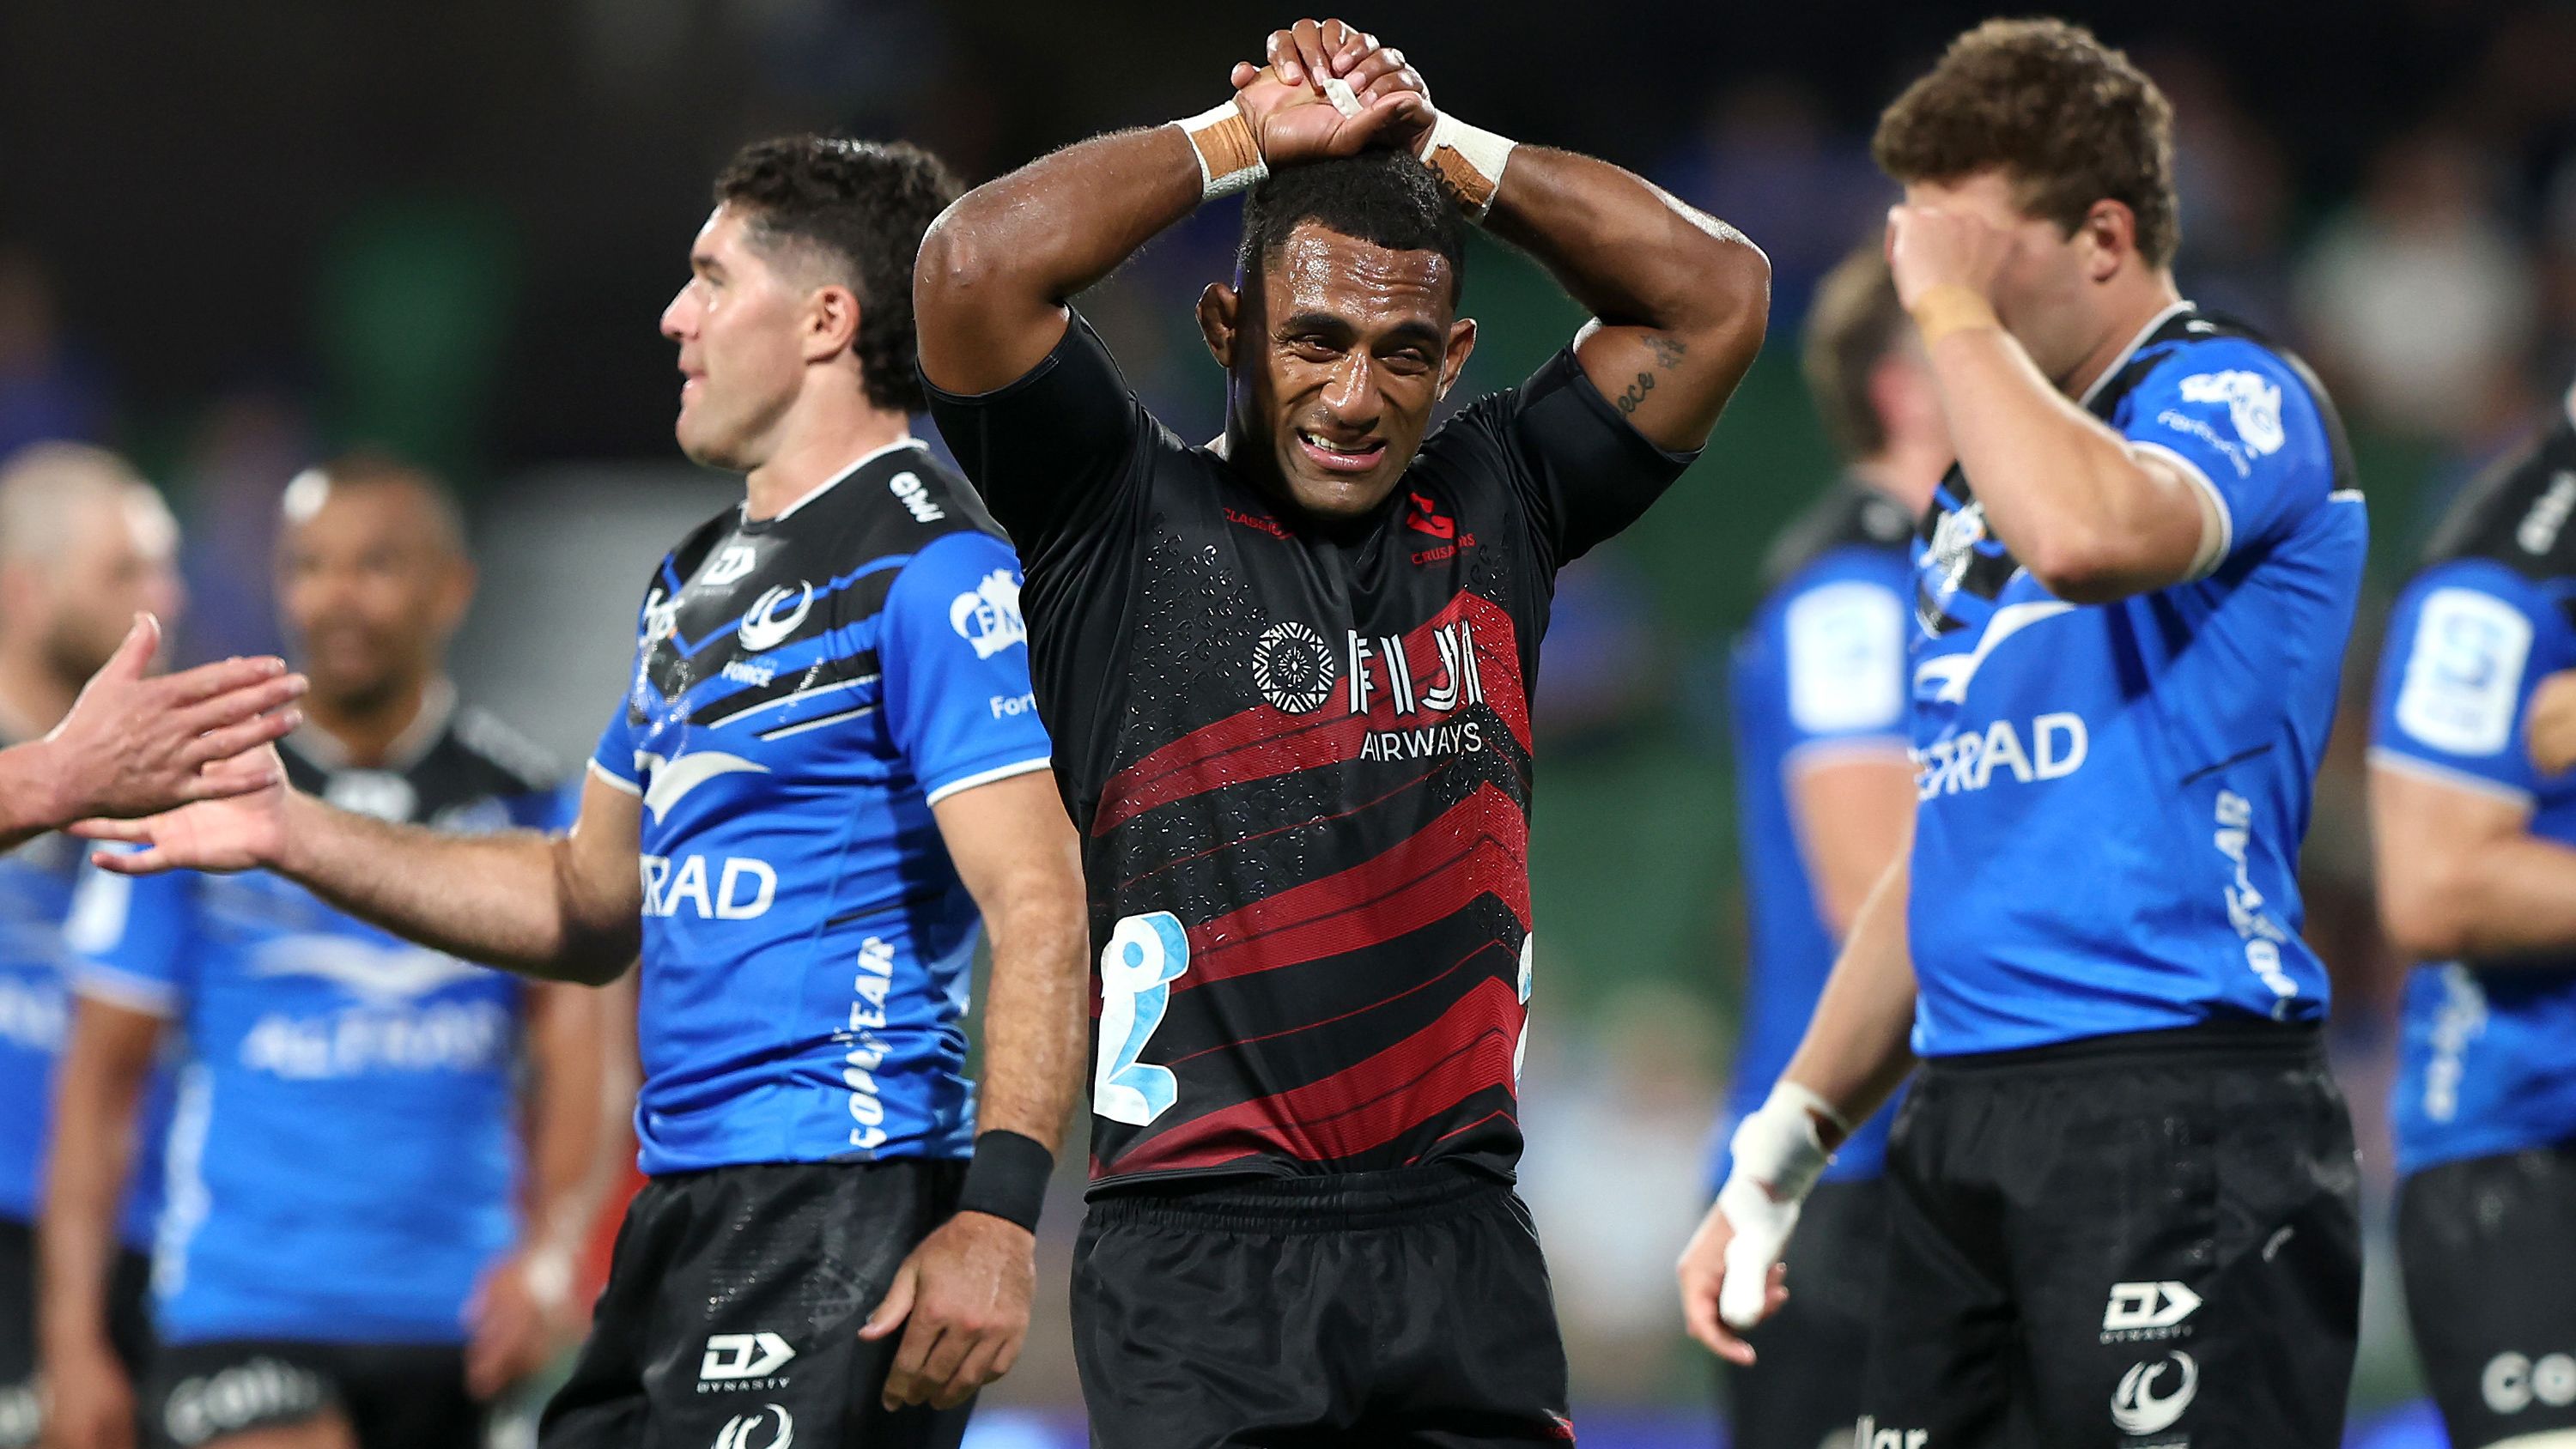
(2247,1041)
(1327,1202)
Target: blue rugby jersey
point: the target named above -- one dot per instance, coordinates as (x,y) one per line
(2112,796)
(1820,670)
(343,1161)
(36,882)
(806,687)
(2487,1053)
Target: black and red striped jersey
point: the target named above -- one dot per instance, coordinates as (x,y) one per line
(1299,758)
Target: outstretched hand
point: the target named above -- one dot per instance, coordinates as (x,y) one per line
(133,744)
(1329,90)
(245,830)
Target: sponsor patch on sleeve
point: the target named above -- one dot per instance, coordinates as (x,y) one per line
(2464,674)
(1846,651)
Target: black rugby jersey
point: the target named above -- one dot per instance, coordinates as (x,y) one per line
(1299,758)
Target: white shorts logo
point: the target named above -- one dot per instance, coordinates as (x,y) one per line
(1292,668)
(989,617)
(732,1356)
(738,1431)
(2513,1382)
(2142,1309)
(2136,1407)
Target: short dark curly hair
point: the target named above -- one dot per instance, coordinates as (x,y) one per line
(2069,120)
(862,206)
(1385,197)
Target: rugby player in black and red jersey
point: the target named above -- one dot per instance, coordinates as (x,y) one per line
(1288,679)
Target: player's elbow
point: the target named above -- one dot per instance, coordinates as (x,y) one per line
(2426,912)
(957,263)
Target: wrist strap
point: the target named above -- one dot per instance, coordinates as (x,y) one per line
(1950,308)
(1007,1178)
(1470,160)
(1229,153)
(1778,1146)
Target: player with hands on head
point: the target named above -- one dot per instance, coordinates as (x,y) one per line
(2473,813)
(1287,677)
(2132,594)
(823,784)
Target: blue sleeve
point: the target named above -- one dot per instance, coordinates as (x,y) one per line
(2242,424)
(127,935)
(2466,646)
(551,810)
(615,755)
(1840,630)
(955,658)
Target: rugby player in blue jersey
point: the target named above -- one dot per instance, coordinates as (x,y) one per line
(1825,795)
(2477,873)
(2123,1188)
(85,545)
(356,1251)
(826,768)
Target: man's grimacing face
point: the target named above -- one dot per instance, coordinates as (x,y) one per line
(1336,361)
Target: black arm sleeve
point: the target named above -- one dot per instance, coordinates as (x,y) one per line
(1050,451)
(1581,471)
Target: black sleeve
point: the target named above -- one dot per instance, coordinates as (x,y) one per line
(1580,471)
(1048,451)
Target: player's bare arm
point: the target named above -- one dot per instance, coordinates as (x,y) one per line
(134,744)
(997,267)
(98,1088)
(1854,1055)
(1853,814)
(2461,876)
(559,907)
(2092,517)
(962,1297)
(524,1313)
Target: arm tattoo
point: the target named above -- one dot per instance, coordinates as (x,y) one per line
(1668,355)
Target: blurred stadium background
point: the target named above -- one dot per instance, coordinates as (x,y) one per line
(234,238)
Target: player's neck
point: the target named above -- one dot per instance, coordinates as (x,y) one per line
(1906,470)
(817,445)
(367,732)
(2138,302)
(33,696)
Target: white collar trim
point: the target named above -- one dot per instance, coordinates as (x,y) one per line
(828,484)
(2121,361)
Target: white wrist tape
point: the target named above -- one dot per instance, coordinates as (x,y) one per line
(1470,160)
(1779,1154)
(1228,151)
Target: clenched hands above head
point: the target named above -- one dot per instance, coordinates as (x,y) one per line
(1294,117)
(134,744)
(962,1301)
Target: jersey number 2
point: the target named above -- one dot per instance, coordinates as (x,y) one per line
(1144,956)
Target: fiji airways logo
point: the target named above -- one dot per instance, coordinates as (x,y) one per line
(1293,668)
(988,616)
(764,628)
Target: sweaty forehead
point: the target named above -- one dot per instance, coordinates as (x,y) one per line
(1318,270)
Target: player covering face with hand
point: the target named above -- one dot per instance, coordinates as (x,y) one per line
(1288,678)
(2122,1200)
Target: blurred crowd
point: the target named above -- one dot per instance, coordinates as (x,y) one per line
(2426,266)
